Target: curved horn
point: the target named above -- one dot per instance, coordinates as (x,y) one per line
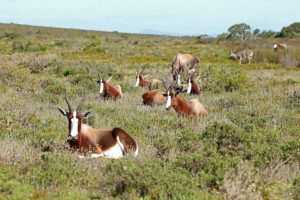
(105,74)
(82,101)
(172,85)
(69,105)
(99,75)
(142,71)
(164,84)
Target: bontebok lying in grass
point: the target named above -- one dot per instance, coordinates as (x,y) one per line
(143,82)
(193,86)
(181,106)
(108,143)
(107,90)
(153,97)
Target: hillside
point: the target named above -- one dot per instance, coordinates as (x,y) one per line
(246,148)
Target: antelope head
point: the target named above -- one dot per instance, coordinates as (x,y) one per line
(102,81)
(74,116)
(171,95)
(178,75)
(176,72)
(140,77)
(232,55)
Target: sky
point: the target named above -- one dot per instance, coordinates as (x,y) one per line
(182,17)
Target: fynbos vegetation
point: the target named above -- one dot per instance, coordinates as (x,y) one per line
(245,146)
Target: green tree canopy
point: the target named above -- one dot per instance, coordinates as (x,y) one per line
(240,30)
(290,31)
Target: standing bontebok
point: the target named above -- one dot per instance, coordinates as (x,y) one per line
(107,143)
(184,62)
(143,82)
(243,54)
(181,106)
(280,46)
(107,90)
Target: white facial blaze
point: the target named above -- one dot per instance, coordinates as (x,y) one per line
(101,87)
(189,87)
(74,125)
(275,46)
(178,80)
(168,101)
(137,81)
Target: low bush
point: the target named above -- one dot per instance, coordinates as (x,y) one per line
(218,79)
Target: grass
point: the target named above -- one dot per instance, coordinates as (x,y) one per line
(246,148)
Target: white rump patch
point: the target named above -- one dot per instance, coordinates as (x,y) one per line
(168,101)
(136,151)
(74,125)
(137,81)
(189,87)
(101,87)
(275,46)
(114,152)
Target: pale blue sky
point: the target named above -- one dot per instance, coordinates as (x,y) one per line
(188,17)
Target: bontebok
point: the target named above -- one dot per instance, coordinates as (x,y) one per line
(108,90)
(108,143)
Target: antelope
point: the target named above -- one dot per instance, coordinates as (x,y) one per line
(193,86)
(184,61)
(178,85)
(182,107)
(280,46)
(153,97)
(243,54)
(109,143)
(142,81)
(107,90)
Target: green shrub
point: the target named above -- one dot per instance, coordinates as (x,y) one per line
(135,179)
(225,138)
(56,170)
(248,121)
(12,186)
(94,47)
(9,36)
(53,87)
(219,78)
(69,72)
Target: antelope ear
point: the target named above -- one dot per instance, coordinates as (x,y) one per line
(109,79)
(63,112)
(86,114)
(95,80)
(164,94)
(146,76)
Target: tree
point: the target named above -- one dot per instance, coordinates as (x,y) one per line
(256,31)
(240,30)
(267,34)
(290,31)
